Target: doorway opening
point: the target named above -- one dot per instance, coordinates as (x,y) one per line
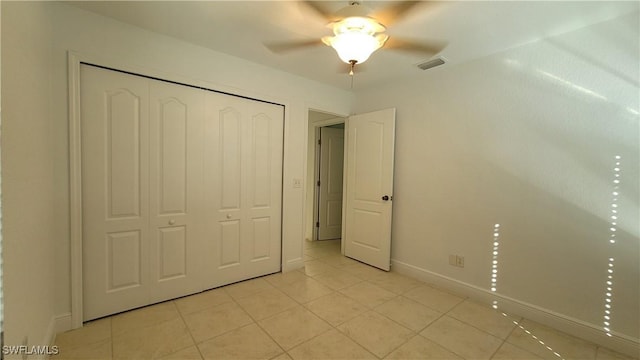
(325,159)
(328,197)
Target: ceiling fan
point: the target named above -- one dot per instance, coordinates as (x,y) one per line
(358,31)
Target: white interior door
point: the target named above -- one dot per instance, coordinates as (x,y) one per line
(115,167)
(243,188)
(369,186)
(331,169)
(175,188)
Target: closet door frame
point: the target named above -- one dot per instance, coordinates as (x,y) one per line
(74,60)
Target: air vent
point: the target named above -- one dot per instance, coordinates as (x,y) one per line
(431,63)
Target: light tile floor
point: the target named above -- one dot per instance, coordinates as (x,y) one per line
(334,308)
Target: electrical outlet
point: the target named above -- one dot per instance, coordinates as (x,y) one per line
(297,183)
(456,260)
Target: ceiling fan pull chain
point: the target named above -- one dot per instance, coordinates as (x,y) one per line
(353,64)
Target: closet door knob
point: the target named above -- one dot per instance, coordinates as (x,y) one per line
(228,216)
(385,198)
(172,221)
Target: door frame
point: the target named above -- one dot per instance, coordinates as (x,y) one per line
(74,61)
(311,205)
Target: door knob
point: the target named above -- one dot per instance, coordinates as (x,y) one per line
(172,221)
(385,198)
(228,216)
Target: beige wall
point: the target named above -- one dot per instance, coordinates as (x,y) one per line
(28,191)
(526,138)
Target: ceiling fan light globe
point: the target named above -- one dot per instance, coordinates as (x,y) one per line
(382,39)
(355,46)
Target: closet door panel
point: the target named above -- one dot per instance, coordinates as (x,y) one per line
(260,239)
(229,157)
(243,188)
(264,187)
(175,168)
(223,189)
(172,251)
(114,123)
(172,156)
(229,244)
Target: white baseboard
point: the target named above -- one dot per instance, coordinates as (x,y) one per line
(618,342)
(49,338)
(50,334)
(63,323)
(293,264)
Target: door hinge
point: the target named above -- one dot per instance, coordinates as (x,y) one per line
(318,224)
(319,142)
(318,182)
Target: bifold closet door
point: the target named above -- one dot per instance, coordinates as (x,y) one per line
(181,190)
(243,188)
(142,177)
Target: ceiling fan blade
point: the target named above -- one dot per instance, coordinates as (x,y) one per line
(283,47)
(393,13)
(430,48)
(318,9)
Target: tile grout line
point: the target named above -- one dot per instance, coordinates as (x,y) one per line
(369,309)
(195,343)
(232,300)
(431,323)
(514,345)
(160,322)
(373,309)
(480,329)
(498,348)
(332,327)
(258,324)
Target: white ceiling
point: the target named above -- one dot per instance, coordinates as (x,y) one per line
(472,29)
